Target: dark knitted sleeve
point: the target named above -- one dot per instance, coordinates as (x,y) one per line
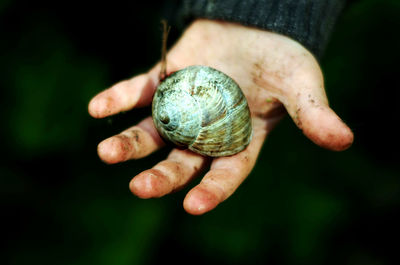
(309,22)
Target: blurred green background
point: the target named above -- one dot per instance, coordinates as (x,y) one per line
(300,205)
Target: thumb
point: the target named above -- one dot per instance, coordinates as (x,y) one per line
(308,106)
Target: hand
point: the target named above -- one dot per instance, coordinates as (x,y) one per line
(274,72)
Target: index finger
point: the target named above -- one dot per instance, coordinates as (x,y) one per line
(125,95)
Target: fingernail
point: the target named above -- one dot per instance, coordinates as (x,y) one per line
(201,208)
(100,107)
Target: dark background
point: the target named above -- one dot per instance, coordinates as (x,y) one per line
(301,204)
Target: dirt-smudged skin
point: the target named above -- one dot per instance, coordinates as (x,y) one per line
(203,109)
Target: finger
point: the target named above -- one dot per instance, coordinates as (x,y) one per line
(168,175)
(226,173)
(308,106)
(133,143)
(123,96)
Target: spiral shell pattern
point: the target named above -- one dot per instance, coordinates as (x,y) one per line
(204,110)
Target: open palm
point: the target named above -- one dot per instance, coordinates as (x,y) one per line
(274,72)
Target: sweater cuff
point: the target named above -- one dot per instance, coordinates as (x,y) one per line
(309,22)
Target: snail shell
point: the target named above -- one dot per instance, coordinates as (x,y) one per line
(204,110)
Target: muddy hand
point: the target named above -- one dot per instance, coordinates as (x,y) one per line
(277,75)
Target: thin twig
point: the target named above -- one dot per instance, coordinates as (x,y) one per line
(163,70)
